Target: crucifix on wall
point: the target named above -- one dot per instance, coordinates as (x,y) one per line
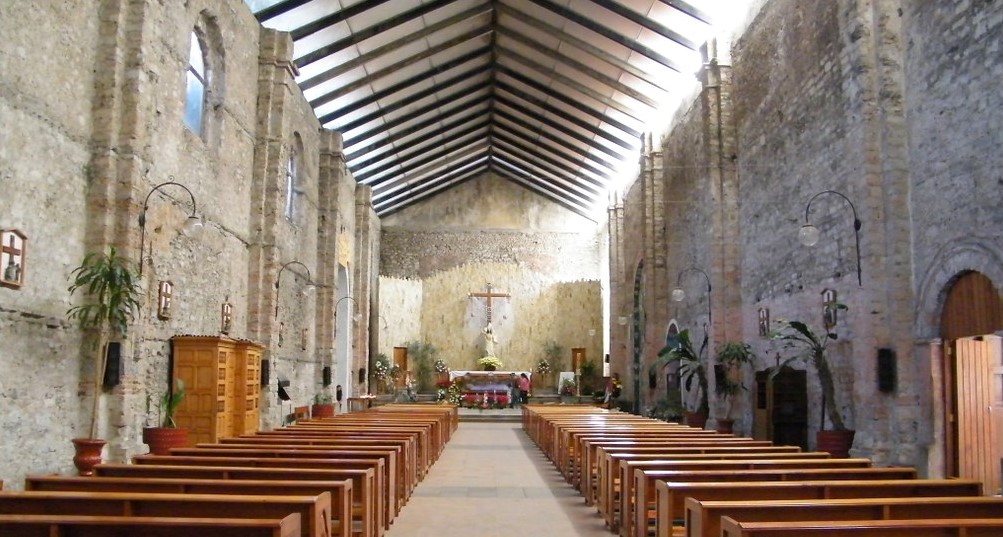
(488,296)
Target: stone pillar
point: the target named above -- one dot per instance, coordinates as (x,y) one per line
(884,304)
(331,173)
(117,186)
(276,82)
(656,278)
(720,151)
(366,227)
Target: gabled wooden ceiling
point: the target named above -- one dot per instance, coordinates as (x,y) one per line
(550,94)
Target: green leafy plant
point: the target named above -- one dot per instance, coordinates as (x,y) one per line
(692,366)
(112,292)
(169,403)
(731,357)
(552,353)
(811,347)
(422,358)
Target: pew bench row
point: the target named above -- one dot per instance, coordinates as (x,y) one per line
(346,476)
(651,478)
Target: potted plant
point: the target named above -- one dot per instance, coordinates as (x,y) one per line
(489,363)
(811,347)
(167,435)
(731,357)
(588,377)
(323,406)
(112,292)
(692,373)
(567,390)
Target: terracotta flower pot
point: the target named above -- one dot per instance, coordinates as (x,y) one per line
(88,454)
(323,410)
(836,443)
(162,439)
(696,419)
(725,426)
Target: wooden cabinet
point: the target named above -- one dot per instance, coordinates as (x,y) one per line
(222,382)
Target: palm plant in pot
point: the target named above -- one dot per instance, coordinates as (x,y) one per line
(112,299)
(167,435)
(692,373)
(811,347)
(730,360)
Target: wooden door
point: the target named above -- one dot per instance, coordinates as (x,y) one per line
(978,367)
(400,360)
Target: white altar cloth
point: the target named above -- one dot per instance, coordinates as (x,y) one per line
(500,376)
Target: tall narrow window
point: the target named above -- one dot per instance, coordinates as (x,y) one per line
(294,187)
(291,184)
(196,87)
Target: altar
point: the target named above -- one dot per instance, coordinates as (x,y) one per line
(488,389)
(488,381)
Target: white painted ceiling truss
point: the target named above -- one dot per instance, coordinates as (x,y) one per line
(552,95)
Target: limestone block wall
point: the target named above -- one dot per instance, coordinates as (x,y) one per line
(545,257)
(43,178)
(400,312)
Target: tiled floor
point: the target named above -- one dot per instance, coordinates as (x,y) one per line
(492,481)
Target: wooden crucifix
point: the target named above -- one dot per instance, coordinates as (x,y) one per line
(489,295)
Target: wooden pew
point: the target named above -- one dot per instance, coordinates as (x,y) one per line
(395,474)
(416,461)
(616,475)
(376,464)
(670,496)
(314,511)
(103,526)
(339,516)
(585,475)
(644,483)
(703,518)
(353,489)
(959,527)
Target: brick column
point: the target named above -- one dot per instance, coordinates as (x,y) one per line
(331,172)
(366,227)
(117,186)
(724,263)
(276,80)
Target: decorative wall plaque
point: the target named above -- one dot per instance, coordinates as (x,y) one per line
(226,316)
(764,322)
(12,255)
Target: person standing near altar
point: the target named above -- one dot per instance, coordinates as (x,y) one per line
(523,389)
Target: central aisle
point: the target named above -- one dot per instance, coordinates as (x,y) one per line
(492,481)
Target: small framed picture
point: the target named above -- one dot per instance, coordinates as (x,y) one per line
(13,248)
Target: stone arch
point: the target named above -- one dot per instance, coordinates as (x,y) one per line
(951,262)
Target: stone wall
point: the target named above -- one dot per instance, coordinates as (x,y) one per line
(872,100)
(105,133)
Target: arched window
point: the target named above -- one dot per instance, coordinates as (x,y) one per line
(195,89)
(294,182)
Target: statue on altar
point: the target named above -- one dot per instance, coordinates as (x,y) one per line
(489,340)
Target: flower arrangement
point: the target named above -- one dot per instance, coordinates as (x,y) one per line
(489,361)
(440,366)
(543,366)
(568,387)
(381,367)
